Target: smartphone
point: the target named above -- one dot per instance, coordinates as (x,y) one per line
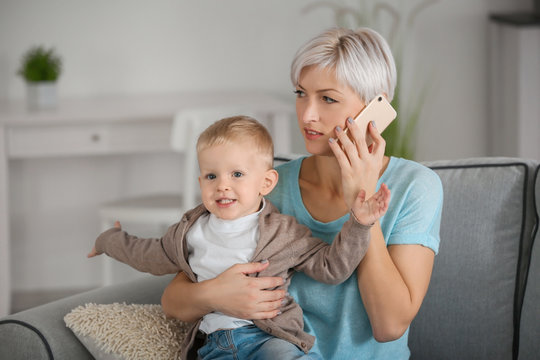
(378,110)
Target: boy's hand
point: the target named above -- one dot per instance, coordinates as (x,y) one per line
(93,252)
(368,211)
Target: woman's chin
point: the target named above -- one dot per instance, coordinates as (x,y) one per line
(319,151)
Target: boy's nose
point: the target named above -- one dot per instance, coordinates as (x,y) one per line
(223,185)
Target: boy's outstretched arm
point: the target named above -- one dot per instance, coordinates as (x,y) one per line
(94,252)
(369,211)
(157,256)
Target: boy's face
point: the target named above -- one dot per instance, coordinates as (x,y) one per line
(234,179)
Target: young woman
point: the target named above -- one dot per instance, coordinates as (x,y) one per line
(368,316)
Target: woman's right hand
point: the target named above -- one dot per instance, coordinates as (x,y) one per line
(232,293)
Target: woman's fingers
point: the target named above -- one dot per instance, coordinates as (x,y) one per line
(271,305)
(251,268)
(359,137)
(379,144)
(265,315)
(342,159)
(348,145)
(249,297)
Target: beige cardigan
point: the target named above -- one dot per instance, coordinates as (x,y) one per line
(287,245)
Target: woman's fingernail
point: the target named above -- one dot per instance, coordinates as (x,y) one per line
(331,140)
(350,120)
(283,302)
(279,312)
(373,124)
(264,261)
(338,128)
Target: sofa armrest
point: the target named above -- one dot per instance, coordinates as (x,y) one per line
(40,332)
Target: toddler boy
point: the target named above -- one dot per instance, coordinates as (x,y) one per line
(235,224)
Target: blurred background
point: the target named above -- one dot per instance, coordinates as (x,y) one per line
(447,53)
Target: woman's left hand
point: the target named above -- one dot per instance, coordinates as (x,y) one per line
(360,165)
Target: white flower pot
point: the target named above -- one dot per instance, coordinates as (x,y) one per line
(41,95)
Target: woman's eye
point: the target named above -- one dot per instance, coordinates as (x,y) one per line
(299,93)
(328,100)
(237,174)
(210,176)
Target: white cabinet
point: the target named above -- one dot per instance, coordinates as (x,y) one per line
(514,116)
(69,140)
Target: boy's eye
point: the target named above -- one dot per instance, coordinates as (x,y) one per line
(210,176)
(299,93)
(237,174)
(328,100)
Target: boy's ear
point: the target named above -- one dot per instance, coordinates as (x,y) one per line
(270,181)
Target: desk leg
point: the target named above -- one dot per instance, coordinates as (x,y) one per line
(5,255)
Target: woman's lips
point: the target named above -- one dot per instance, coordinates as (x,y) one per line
(312,134)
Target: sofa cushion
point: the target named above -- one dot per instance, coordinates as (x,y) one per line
(473,287)
(529,344)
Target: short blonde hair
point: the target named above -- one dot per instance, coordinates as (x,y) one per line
(361,59)
(239,128)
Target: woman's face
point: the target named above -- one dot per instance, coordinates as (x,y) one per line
(322,103)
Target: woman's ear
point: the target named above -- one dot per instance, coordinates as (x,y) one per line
(270,181)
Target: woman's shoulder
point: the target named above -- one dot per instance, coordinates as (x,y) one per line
(413,178)
(405,170)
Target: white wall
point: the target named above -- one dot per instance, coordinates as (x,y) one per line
(125,46)
(136,46)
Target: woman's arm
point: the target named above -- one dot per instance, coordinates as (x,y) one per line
(393,281)
(232,293)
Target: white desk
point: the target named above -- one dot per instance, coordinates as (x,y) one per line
(107,126)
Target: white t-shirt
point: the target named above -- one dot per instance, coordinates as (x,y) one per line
(214,245)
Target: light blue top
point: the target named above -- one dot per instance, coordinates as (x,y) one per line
(335,314)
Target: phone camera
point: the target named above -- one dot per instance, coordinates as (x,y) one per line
(380,98)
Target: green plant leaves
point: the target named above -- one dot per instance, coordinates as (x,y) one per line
(40,64)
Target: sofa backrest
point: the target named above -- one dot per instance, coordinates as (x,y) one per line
(472,306)
(529,344)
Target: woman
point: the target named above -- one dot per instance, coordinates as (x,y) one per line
(368,316)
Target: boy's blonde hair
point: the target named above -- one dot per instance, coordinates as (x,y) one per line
(239,128)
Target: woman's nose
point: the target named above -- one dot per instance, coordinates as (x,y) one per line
(309,112)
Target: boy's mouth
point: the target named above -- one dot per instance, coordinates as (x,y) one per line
(225,202)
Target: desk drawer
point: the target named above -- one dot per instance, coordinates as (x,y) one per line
(69,140)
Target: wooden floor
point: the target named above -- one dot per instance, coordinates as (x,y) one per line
(23,300)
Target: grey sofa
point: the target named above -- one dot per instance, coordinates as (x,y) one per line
(484,297)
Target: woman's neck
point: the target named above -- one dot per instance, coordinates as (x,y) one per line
(321,187)
(324,171)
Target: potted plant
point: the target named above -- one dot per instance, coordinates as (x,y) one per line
(40,68)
